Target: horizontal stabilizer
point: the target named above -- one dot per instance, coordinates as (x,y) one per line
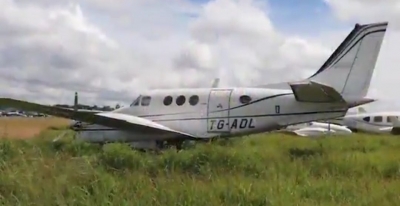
(310,91)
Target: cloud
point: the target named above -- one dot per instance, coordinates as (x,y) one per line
(109,52)
(365,11)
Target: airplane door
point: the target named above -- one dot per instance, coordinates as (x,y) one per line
(218,111)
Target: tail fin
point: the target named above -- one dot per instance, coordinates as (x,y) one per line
(349,69)
(362,110)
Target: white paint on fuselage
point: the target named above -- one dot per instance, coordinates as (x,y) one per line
(269,109)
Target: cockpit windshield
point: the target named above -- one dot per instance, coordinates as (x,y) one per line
(136,101)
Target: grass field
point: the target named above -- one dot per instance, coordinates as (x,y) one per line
(269,169)
(22,127)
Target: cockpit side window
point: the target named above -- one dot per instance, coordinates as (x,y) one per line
(136,101)
(367,119)
(146,100)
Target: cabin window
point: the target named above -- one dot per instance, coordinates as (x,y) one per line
(193,100)
(389,118)
(244,99)
(146,100)
(366,119)
(378,119)
(167,100)
(136,101)
(180,100)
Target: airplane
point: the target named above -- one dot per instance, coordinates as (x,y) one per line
(171,116)
(14,114)
(312,129)
(371,122)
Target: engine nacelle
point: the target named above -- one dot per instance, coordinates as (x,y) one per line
(395,131)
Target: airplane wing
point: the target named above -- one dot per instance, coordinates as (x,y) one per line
(108,119)
(310,91)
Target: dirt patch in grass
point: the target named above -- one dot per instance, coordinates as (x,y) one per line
(22,127)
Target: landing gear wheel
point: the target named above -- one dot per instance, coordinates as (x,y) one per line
(179,146)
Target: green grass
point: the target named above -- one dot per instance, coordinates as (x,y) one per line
(269,169)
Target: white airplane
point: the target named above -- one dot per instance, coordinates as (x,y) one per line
(15,114)
(175,115)
(371,122)
(313,129)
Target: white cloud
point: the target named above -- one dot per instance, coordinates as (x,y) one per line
(108,52)
(365,11)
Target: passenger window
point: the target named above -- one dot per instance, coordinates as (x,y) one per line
(193,100)
(366,119)
(244,99)
(146,100)
(167,100)
(389,118)
(378,119)
(180,100)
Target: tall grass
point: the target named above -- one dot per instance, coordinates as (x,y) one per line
(269,169)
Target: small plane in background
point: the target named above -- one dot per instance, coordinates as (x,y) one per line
(171,116)
(371,122)
(314,129)
(14,114)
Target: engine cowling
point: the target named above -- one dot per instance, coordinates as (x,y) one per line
(395,131)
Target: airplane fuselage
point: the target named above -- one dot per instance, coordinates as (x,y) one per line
(211,112)
(369,122)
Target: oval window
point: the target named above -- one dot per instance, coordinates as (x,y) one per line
(167,100)
(193,100)
(244,99)
(180,100)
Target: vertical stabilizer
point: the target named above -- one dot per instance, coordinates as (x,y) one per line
(361,110)
(350,68)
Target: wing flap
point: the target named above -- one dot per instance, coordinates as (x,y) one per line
(108,119)
(310,91)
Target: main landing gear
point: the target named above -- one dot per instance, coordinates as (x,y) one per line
(178,144)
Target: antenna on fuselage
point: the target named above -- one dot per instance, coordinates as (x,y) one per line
(215,83)
(76,102)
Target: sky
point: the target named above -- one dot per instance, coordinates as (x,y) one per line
(109,51)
